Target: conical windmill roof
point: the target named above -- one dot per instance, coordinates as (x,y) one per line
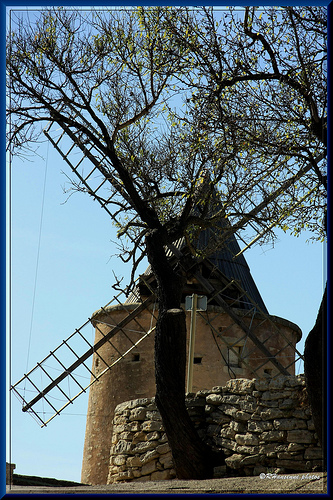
(222,259)
(233,268)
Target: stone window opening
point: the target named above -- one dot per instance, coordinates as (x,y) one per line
(234,354)
(197,360)
(135,357)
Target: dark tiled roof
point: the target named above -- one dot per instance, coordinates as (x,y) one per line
(222,259)
(236,269)
(233,269)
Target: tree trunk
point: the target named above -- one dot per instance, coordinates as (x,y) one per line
(315,371)
(192,458)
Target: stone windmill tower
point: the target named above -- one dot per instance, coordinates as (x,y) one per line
(240,342)
(235,337)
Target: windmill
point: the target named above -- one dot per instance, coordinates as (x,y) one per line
(64,368)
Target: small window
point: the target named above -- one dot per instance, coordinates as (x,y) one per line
(233,356)
(135,357)
(268,371)
(197,360)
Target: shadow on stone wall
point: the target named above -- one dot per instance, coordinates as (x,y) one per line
(262,425)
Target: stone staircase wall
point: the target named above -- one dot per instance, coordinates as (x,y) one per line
(261,425)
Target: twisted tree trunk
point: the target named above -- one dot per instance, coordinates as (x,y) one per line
(192,458)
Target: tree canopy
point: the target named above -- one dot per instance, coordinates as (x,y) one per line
(170,92)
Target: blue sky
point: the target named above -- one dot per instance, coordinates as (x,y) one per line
(73,276)
(62,270)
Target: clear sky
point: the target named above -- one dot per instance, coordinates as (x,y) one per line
(62,270)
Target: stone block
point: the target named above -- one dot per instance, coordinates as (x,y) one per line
(134,461)
(126,436)
(151,406)
(247,450)
(119,459)
(142,479)
(214,399)
(118,429)
(166,460)
(272,395)
(299,413)
(148,456)
(247,406)
(153,436)
(120,419)
(134,426)
(124,476)
(259,469)
(122,409)
(163,438)
(231,399)
(261,384)
(313,454)
(160,475)
(228,444)
(198,401)
(138,413)
(148,468)
(136,472)
(300,436)
(247,439)
(272,413)
(142,447)
(257,426)
(234,461)
(122,447)
(295,447)
(228,432)
(290,456)
(163,448)
(219,418)
(287,424)
(237,426)
(281,448)
(129,405)
(278,382)
(272,436)
(310,425)
(153,415)
(293,465)
(250,460)
(287,404)
(152,425)
(242,415)
(240,386)
(268,450)
(138,437)
(216,390)
(295,380)
(231,411)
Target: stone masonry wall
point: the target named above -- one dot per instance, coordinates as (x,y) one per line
(261,425)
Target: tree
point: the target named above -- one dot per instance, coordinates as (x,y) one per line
(139,85)
(265,86)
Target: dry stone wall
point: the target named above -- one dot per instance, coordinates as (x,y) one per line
(261,425)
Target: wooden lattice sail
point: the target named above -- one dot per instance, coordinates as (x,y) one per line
(223,277)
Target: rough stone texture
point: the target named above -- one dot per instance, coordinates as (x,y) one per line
(264,440)
(134,379)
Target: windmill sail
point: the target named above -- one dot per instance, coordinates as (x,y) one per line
(64,374)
